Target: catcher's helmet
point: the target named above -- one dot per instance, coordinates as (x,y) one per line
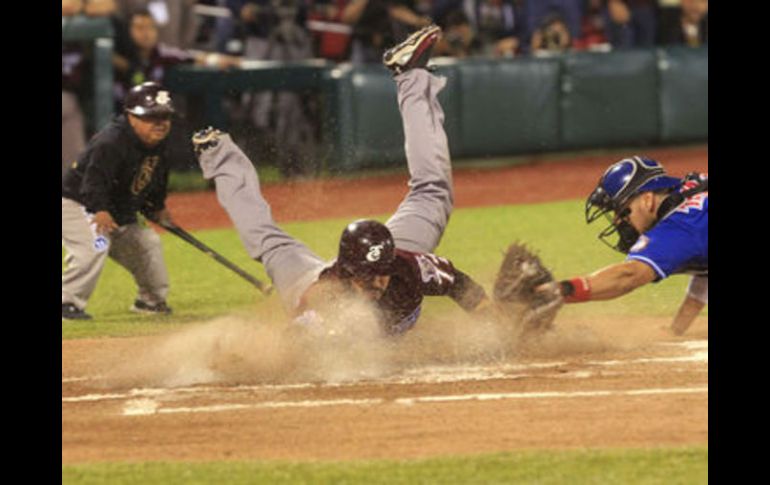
(149,100)
(619,184)
(366,249)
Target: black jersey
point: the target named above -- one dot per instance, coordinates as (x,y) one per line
(119,174)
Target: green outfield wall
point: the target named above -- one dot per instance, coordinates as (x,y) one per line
(529,105)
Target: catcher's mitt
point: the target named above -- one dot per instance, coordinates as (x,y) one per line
(514,290)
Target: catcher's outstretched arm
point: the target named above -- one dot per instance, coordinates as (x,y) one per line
(607,283)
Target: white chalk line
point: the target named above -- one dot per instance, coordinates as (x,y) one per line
(162,391)
(146,407)
(65,380)
(422,375)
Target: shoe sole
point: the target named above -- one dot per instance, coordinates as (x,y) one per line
(417,44)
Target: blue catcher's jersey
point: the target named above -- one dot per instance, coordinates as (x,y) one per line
(679,242)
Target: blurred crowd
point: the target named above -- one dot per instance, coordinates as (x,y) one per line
(153,35)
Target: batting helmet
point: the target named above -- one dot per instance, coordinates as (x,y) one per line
(619,184)
(149,100)
(366,249)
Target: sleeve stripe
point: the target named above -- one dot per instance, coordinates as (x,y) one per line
(651,263)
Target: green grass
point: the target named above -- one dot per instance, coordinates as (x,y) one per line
(474,241)
(668,466)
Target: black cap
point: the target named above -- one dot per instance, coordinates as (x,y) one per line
(149,99)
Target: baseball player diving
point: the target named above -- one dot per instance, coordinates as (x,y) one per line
(660,222)
(392,263)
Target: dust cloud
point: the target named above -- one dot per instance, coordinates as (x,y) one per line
(270,349)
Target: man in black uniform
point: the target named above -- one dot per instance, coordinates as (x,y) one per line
(123,170)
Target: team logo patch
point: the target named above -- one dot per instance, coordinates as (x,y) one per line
(640,244)
(144,175)
(101,244)
(375,253)
(162,98)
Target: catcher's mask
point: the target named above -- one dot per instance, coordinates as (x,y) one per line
(366,249)
(620,184)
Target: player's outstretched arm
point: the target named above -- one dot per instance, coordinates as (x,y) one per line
(467,293)
(608,283)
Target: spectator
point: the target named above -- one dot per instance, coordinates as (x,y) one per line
(551,37)
(75,63)
(330,44)
(630,23)
(274,30)
(258,20)
(496,25)
(688,25)
(538,12)
(144,58)
(459,39)
(378,24)
(176,19)
(592,28)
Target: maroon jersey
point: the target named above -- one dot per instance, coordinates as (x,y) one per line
(414,276)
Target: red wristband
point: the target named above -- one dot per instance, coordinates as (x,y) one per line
(578,290)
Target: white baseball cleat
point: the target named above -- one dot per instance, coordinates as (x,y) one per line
(206,138)
(414,52)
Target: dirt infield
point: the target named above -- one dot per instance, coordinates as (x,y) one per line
(543,179)
(232,390)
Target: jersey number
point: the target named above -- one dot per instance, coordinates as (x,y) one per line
(429,269)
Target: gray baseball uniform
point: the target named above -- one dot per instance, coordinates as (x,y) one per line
(417,224)
(136,248)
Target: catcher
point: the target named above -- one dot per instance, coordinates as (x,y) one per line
(660,222)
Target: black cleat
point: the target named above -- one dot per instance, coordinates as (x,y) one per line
(156,309)
(204,139)
(414,52)
(70,312)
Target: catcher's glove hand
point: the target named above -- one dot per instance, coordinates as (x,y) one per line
(521,272)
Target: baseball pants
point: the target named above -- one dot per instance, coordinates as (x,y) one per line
(136,248)
(417,224)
